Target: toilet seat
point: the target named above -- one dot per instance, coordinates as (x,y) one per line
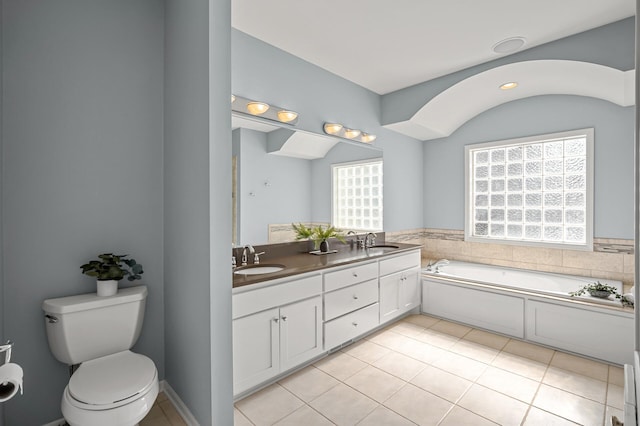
(111,381)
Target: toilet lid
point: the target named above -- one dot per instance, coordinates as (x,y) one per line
(112,378)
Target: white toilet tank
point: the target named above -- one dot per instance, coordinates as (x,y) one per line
(84,327)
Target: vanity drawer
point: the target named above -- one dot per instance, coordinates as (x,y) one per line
(349,276)
(400,263)
(349,299)
(347,327)
(251,301)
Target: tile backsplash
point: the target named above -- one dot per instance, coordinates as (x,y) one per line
(611,258)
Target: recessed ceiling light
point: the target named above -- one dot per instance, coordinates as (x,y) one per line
(509,85)
(509,45)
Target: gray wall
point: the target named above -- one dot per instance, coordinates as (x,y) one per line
(197,184)
(320,97)
(287,198)
(611,45)
(82,151)
(614,144)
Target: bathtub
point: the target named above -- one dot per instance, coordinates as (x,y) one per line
(531,306)
(520,279)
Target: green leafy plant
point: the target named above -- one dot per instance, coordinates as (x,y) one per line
(303,232)
(113,267)
(597,287)
(317,233)
(320,233)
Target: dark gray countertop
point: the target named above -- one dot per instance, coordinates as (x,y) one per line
(299,263)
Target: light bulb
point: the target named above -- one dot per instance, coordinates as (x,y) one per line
(287,116)
(351,133)
(332,128)
(367,137)
(257,108)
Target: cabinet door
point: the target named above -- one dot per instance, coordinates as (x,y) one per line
(410,289)
(300,332)
(390,301)
(255,349)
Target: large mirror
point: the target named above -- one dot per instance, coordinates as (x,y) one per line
(281,177)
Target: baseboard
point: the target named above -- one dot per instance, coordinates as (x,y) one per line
(180,406)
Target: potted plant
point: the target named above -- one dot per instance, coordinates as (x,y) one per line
(109,269)
(321,235)
(318,235)
(597,289)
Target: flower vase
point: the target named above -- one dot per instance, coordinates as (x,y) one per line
(324,246)
(107,287)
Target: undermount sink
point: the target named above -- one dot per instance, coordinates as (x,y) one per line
(381,248)
(259,269)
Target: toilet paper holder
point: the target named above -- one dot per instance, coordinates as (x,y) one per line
(6,348)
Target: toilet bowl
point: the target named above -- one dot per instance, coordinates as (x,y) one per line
(117,389)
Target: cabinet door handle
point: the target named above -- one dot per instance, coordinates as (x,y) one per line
(284,318)
(355,324)
(355,297)
(276,320)
(355,274)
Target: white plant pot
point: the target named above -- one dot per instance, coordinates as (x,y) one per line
(107,287)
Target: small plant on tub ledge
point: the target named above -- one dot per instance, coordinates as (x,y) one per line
(602,291)
(109,269)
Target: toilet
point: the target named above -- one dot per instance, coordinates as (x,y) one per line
(111,385)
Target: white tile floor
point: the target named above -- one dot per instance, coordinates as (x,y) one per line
(426,371)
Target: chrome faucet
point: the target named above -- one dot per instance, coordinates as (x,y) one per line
(244,253)
(256,257)
(370,242)
(435,266)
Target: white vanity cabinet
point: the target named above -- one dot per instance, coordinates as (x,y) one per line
(399,285)
(281,324)
(275,328)
(350,303)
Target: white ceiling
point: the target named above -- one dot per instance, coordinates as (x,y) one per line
(386,45)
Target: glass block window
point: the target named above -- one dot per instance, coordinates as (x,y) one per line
(357,196)
(533,191)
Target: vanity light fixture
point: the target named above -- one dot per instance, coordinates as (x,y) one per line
(337,129)
(262,110)
(257,108)
(510,85)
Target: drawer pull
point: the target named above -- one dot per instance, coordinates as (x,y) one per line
(355,274)
(355,297)
(355,324)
